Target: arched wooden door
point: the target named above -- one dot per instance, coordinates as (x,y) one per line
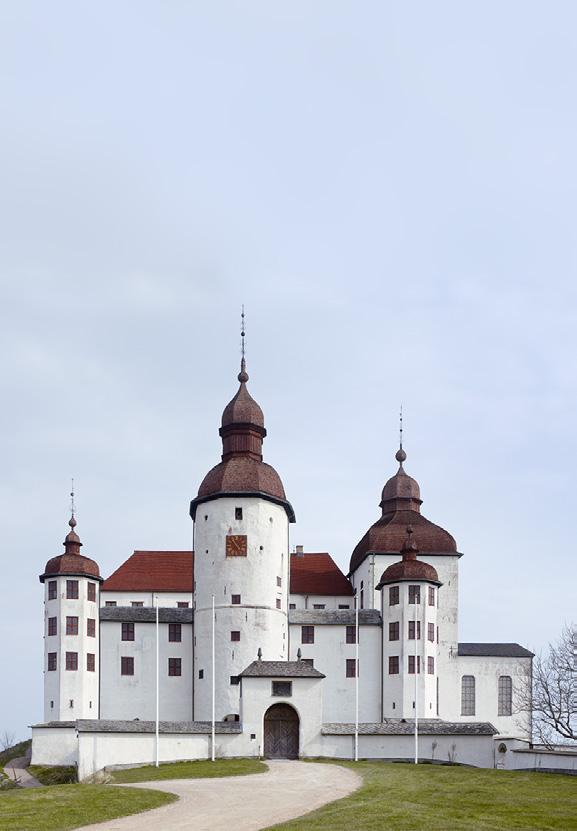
(281,732)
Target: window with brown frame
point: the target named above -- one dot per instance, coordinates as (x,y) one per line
(71,625)
(412,624)
(175,666)
(235,635)
(174,632)
(414,594)
(351,634)
(307,634)
(431,632)
(126,665)
(282,688)
(52,589)
(393,595)
(394,631)
(235,599)
(412,664)
(137,603)
(110,602)
(72,589)
(351,668)
(431,596)
(72,660)
(91,591)
(91,662)
(51,661)
(52,626)
(393,664)
(127,632)
(430,665)
(182,604)
(91,627)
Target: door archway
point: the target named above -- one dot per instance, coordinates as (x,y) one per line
(281,732)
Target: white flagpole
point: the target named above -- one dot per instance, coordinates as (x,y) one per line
(213,686)
(356,678)
(157,686)
(417,605)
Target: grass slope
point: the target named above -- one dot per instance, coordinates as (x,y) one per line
(14,752)
(53,774)
(62,807)
(397,797)
(190,770)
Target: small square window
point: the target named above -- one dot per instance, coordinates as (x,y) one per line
(71,625)
(394,631)
(307,634)
(72,589)
(235,680)
(393,595)
(51,661)
(344,606)
(235,635)
(126,665)
(318,605)
(90,661)
(91,627)
(201,674)
(183,604)
(91,591)
(235,599)
(351,634)
(52,626)
(52,589)
(127,631)
(393,664)
(278,602)
(72,660)
(292,605)
(175,666)
(110,602)
(137,603)
(282,688)
(174,632)
(351,668)
(238,513)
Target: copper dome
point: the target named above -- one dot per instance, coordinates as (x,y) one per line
(72,562)
(409,568)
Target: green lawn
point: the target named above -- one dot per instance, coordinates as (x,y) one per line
(189,770)
(403,797)
(68,806)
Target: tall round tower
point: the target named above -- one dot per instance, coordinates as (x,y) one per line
(71,633)
(241,559)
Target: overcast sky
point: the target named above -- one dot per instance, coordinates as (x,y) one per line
(390,188)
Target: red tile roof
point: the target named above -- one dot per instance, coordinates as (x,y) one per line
(173,571)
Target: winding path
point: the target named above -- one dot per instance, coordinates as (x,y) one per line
(241,803)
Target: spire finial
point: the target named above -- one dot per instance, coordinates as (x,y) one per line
(400,455)
(243,374)
(72,520)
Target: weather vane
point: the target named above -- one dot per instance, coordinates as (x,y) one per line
(72,497)
(401,427)
(242,332)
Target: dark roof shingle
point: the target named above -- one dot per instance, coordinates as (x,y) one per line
(280,669)
(317,573)
(494,650)
(329,617)
(401,727)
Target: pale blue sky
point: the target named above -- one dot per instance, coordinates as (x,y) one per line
(390,189)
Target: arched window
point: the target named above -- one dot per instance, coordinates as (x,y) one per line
(505,695)
(468,695)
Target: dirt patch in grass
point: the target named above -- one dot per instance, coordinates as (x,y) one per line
(189,770)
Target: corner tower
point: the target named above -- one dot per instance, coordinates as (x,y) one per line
(241,541)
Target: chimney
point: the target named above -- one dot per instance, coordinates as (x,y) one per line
(300,551)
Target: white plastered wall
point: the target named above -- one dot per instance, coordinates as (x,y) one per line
(165,599)
(332,602)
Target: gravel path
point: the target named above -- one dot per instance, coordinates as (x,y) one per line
(16,770)
(242,803)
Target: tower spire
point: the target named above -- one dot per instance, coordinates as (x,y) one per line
(400,455)
(243,374)
(72,520)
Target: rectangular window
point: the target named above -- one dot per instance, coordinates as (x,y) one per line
(412,664)
(71,625)
(91,627)
(52,626)
(235,635)
(235,680)
(110,602)
(91,591)
(283,688)
(437,634)
(505,695)
(137,603)
(175,666)
(174,632)
(72,589)
(351,634)
(394,633)
(307,634)
(344,606)
(468,695)
(52,589)
(126,665)
(414,594)
(91,662)
(351,668)
(279,581)
(319,606)
(393,665)
(431,596)
(362,598)
(278,602)
(393,595)
(238,513)
(127,631)
(431,632)
(235,599)
(182,604)
(431,665)
(308,661)
(72,660)
(51,661)
(412,624)
(292,605)
(201,674)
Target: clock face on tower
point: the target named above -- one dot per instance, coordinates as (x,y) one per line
(236,545)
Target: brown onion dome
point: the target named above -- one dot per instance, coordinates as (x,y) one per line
(242,470)
(72,563)
(401,506)
(409,568)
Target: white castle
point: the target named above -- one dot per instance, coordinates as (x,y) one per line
(244,648)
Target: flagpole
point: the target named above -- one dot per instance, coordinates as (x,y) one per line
(356,678)
(417,606)
(213,686)
(157,685)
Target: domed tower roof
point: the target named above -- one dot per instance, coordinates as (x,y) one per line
(242,471)
(72,563)
(401,506)
(409,568)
